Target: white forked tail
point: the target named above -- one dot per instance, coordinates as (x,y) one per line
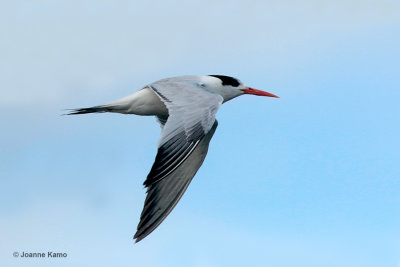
(143,102)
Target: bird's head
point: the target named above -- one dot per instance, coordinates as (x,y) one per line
(229,87)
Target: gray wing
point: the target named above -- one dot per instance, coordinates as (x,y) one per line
(182,149)
(163,195)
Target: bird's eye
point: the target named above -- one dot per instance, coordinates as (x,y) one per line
(202,85)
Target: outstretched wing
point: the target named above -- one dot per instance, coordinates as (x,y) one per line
(182,149)
(163,195)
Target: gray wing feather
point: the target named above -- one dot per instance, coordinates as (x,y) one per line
(187,106)
(163,195)
(182,149)
(191,110)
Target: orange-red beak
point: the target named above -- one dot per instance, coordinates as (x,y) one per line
(252,91)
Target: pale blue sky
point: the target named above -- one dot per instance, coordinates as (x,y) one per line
(310,179)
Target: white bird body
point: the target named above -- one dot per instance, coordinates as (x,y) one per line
(186,107)
(143,102)
(146,103)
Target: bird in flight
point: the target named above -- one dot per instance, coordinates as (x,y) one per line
(185,107)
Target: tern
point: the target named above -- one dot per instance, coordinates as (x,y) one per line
(185,107)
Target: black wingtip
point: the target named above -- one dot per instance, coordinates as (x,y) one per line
(139,237)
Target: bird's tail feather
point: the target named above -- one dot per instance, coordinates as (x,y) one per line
(95,109)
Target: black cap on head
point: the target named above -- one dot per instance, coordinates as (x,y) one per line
(226,80)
